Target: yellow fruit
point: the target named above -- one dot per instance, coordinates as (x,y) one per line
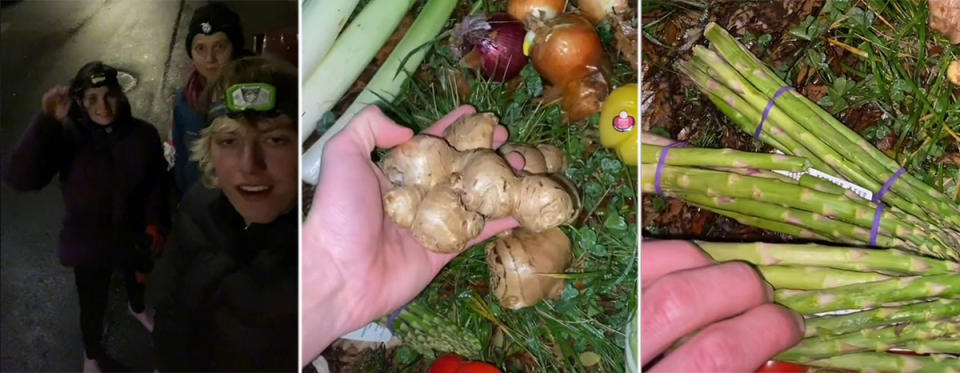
(619,122)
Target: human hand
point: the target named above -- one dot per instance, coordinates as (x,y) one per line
(56,102)
(357,264)
(728,305)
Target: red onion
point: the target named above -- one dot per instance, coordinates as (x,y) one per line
(494,45)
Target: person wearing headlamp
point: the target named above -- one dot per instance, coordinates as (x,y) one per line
(214,38)
(114,185)
(234,305)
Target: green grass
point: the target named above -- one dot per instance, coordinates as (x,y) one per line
(900,72)
(600,295)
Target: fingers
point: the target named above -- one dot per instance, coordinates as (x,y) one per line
(515,160)
(490,229)
(494,227)
(740,344)
(681,302)
(658,258)
(500,135)
(437,128)
(368,130)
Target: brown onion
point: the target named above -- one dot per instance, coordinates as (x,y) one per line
(567,52)
(535,9)
(597,10)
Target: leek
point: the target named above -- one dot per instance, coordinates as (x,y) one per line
(323,20)
(348,57)
(388,80)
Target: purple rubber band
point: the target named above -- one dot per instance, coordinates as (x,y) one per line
(877,197)
(663,158)
(394,316)
(766,112)
(876,224)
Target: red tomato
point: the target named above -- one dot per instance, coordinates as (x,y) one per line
(447,363)
(781,367)
(478,367)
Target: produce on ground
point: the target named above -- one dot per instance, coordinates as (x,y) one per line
(945,18)
(567,52)
(384,85)
(864,281)
(493,45)
(446,187)
(781,204)
(531,11)
(618,123)
(522,262)
(426,332)
(741,86)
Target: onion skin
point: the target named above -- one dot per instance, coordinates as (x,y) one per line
(498,51)
(530,10)
(567,52)
(597,10)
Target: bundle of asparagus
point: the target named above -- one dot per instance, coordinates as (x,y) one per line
(743,186)
(902,301)
(761,103)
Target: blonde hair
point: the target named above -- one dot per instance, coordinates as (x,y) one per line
(202,150)
(273,71)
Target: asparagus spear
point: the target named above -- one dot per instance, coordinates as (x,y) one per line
(929,240)
(841,324)
(770,225)
(866,295)
(809,136)
(823,226)
(722,158)
(833,132)
(746,116)
(887,362)
(834,230)
(848,258)
(935,346)
(880,339)
(814,278)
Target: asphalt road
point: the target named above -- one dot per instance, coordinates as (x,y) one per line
(44,43)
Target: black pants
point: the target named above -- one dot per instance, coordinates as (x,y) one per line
(93,286)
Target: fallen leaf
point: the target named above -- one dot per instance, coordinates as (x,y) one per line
(815,92)
(951,158)
(589,358)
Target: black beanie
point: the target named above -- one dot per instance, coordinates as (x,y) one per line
(212,18)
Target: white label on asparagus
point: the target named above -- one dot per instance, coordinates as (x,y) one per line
(859,190)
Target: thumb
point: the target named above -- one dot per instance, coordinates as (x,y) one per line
(370,129)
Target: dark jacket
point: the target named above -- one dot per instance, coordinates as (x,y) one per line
(187,124)
(113,180)
(234,303)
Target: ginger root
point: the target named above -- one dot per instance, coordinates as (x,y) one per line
(945,18)
(446,187)
(521,263)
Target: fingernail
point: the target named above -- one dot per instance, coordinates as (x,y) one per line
(769,290)
(800,322)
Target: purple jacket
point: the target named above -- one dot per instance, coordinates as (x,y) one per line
(114,183)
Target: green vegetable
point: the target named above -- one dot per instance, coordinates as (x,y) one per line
(386,83)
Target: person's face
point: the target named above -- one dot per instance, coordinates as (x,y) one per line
(100,104)
(256,166)
(210,53)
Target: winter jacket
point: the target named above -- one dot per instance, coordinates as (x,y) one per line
(186,127)
(113,180)
(234,303)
